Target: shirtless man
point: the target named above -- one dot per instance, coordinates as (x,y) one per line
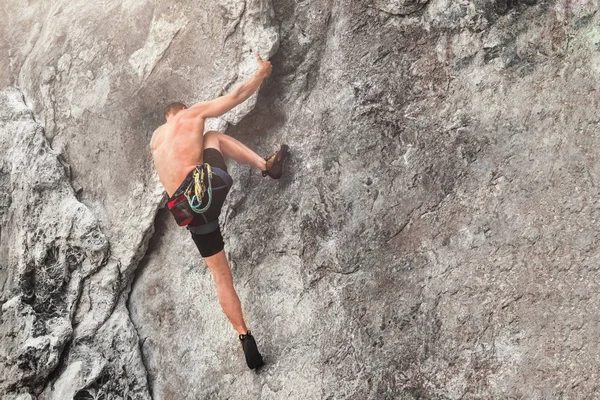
(179,148)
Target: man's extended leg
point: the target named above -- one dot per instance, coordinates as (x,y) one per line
(234,149)
(228,298)
(230,303)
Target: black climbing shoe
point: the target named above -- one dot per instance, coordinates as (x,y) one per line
(275,162)
(253,357)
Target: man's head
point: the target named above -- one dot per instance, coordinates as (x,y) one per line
(173,108)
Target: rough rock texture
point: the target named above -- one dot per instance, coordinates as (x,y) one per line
(97,76)
(434,236)
(52,245)
(50,242)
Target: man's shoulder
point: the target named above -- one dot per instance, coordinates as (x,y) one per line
(160,128)
(157,132)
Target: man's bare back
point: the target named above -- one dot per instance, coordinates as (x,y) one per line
(177,149)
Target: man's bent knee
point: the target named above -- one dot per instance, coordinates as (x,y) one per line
(211,140)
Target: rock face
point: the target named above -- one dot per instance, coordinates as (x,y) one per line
(433,237)
(52,248)
(50,243)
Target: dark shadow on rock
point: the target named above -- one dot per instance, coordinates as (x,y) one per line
(160,226)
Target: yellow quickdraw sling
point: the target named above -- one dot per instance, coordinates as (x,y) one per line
(197,189)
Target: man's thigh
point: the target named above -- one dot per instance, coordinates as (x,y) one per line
(211,140)
(209,244)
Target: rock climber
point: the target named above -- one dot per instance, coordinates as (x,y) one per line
(192,169)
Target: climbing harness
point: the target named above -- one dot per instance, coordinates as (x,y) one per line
(189,201)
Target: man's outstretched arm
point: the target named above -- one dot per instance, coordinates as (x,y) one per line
(220,105)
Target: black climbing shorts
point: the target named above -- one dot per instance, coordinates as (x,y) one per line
(209,243)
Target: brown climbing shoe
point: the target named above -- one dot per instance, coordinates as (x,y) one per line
(253,357)
(275,162)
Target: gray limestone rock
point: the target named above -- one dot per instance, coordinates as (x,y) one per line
(400,7)
(50,244)
(433,236)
